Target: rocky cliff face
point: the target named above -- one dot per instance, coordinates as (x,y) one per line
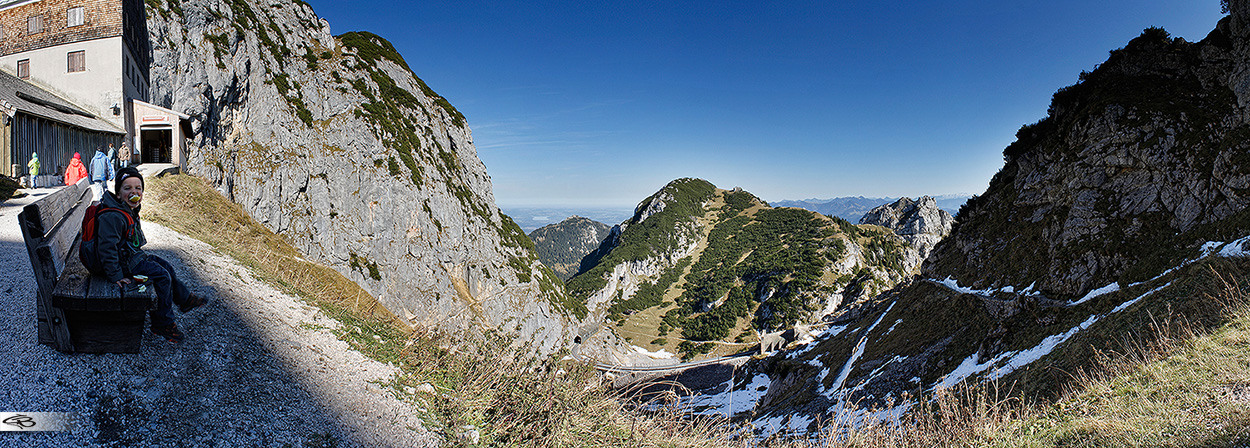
(561,246)
(919,222)
(334,143)
(1133,165)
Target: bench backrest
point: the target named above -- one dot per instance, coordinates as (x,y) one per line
(50,226)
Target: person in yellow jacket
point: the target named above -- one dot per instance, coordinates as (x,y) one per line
(75,171)
(34,170)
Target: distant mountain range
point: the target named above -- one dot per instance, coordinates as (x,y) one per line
(848,208)
(852,208)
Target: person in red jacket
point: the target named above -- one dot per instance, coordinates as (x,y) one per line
(76,171)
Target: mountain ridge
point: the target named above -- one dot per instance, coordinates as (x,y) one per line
(563,245)
(853,208)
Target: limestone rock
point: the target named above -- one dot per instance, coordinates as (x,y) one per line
(919,222)
(334,143)
(1130,166)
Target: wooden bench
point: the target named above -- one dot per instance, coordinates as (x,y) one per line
(77,312)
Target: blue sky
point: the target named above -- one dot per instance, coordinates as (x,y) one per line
(603,103)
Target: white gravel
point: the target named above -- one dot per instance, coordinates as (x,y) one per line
(258,368)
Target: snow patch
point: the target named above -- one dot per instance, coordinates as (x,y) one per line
(1097,292)
(953,285)
(859,351)
(785,424)
(662,354)
(1023,358)
(891,330)
(828,333)
(730,402)
(1236,249)
(969,367)
(1008,362)
(1129,303)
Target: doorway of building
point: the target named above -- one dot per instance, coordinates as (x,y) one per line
(157,146)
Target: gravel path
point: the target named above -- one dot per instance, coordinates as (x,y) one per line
(258,368)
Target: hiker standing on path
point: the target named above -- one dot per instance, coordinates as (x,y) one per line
(111,161)
(118,242)
(101,171)
(75,171)
(34,169)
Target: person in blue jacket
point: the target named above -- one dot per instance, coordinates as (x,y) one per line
(101,168)
(119,243)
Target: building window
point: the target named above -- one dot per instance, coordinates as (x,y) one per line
(3,36)
(34,24)
(77,61)
(23,69)
(77,16)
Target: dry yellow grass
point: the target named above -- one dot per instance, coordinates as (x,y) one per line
(190,206)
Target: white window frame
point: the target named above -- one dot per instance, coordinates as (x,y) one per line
(23,63)
(77,16)
(34,24)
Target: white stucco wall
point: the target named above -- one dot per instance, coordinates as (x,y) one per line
(97,89)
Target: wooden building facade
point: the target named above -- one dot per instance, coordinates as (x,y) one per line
(36,121)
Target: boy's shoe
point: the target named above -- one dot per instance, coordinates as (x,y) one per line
(193,301)
(169,332)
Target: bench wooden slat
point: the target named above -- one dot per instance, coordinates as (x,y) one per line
(63,243)
(52,327)
(79,290)
(51,210)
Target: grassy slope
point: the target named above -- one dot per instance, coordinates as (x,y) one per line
(192,207)
(1189,386)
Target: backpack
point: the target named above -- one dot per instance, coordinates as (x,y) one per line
(87,248)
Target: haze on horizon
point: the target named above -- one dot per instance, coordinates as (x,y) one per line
(576,104)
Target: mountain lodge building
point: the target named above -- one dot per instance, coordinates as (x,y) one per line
(91,59)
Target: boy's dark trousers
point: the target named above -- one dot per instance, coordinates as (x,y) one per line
(169,290)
